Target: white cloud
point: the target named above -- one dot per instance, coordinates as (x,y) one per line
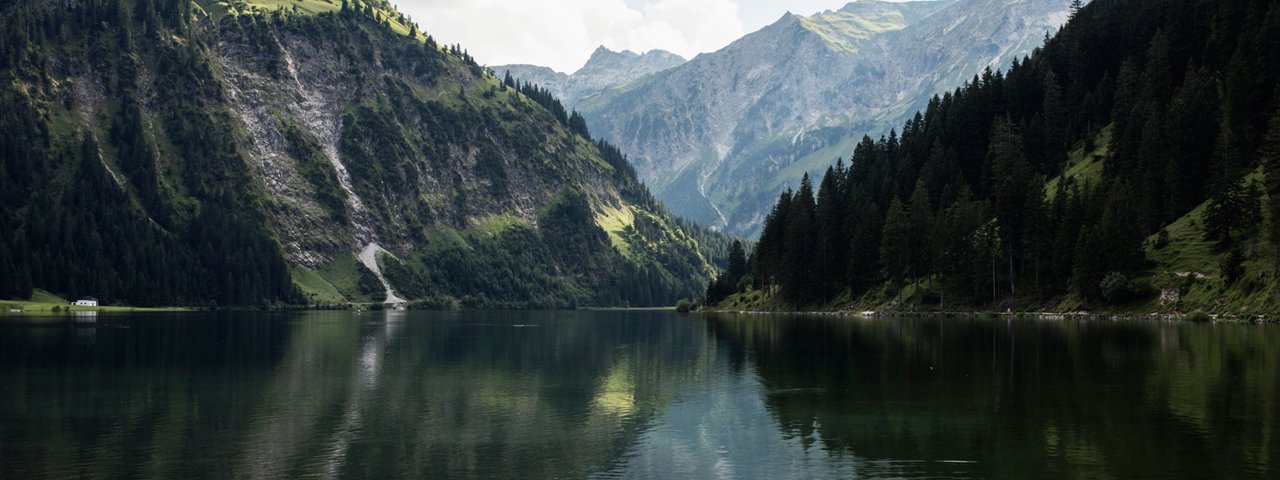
(561,34)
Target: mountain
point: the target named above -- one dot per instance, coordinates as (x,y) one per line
(202,153)
(605,69)
(1130,165)
(718,137)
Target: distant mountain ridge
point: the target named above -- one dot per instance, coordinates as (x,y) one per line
(719,136)
(605,69)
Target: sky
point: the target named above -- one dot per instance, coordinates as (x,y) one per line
(561,34)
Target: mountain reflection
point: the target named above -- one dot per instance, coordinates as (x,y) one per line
(525,395)
(632,395)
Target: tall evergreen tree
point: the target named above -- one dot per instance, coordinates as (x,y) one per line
(864,230)
(1008,177)
(737,263)
(1269,156)
(1054,115)
(895,247)
(831,245)
(772,244)
(920,221)
(797,269)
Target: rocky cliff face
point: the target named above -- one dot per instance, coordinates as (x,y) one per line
(604,70)
(718,137)
(381,167)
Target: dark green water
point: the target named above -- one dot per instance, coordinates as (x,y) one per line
(633,394)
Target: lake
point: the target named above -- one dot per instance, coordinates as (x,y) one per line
(633,395)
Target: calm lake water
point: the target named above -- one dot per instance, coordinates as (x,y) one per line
(633,395)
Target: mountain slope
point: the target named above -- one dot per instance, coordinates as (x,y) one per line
(243,153)
(718,137)
(604,70)
(1132,164)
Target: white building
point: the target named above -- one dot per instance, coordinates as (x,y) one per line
(86,302)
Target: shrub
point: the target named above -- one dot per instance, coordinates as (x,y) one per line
(1199,317)
(1116,287)
(684,306)
(1162,239)
(1233,266)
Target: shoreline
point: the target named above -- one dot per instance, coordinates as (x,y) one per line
(1048,316)
(43,310)
(27,307)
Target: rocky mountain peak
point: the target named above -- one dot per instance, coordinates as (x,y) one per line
(605,69)
(627,63)
(720,135)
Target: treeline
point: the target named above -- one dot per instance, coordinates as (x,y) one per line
(573,121)
(1182,91)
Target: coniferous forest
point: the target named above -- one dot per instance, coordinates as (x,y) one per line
(67,225)
(1059,181)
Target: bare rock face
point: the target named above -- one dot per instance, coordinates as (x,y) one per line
(606,69)
(310,94)
(719,137)
(370,121)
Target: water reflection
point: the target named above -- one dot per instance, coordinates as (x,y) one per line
(632,395)
(1024,398)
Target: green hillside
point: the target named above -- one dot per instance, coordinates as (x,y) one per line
(244,152)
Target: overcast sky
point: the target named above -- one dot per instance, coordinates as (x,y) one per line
(561,34)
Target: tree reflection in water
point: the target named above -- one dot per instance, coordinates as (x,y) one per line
(633,395)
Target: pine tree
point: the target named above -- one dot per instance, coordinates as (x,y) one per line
(1269,156)
(985,245)
(772,244)
(578,124)
(1054,116)
(727,282)
(1008,175)
(831,244)
(895,246)
(1232,266)
(797,270)
(1036,226)
(864,230)
(1193,111)
(920,217)
(737,263)
(1231,205)
(1074,9)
